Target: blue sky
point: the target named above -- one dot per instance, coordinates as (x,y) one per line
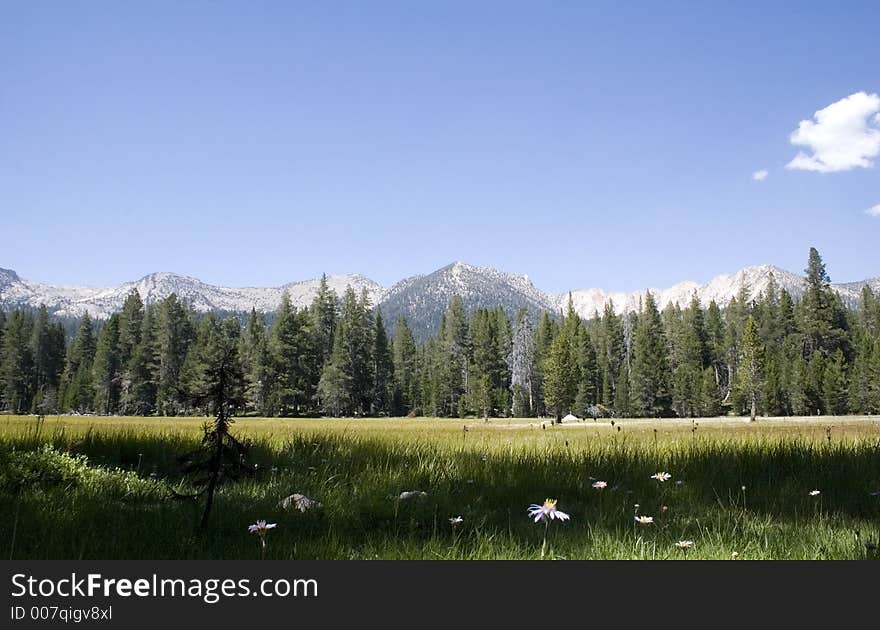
(585,144)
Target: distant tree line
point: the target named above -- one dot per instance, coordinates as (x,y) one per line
(764,354)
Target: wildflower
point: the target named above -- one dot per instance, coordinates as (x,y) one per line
(600,485)
(644,520)
(679,482)
(684,544)
(412,494)
(484,456)
(661,476)
(734,555)
(455,520)
(663,508)
(814,493)
(547,512)
(261,527)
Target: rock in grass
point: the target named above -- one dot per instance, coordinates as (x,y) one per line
(299,502)
(413,494)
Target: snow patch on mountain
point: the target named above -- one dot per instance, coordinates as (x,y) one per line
(722,289)
(421,299)
(101,302)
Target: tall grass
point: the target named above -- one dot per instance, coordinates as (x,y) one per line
(104,493)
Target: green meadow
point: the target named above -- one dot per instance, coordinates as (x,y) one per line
(110,488)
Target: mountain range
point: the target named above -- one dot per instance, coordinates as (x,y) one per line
(421,299)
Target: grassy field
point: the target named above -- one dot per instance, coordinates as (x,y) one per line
(91,487)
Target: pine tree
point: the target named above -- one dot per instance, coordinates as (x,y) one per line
(861,381)
(521,363)
(561,376)
(454,351)
(773,392)
(609,355)
(383,370)
(174,334)
(588,393)
(824,319)
(502,333)
(140,379)
(47,349)
(405,361)
(291,351)
(257,365)
(650,367)
(16,367)
(834,385)
(690,355)
(107,368)
(77,386)
(217,384)
(710,395)
(814,390)
(750,373)
(546,332)
(334,387)
(324,313)
(489,378)
(131,356)
(131,326)
(715,345)
(359,338)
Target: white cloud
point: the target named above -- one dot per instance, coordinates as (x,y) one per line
(874,211)
(844,135)
(760,176)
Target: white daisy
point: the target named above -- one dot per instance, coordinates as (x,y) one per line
(547,512)
(261,527)
(455,520)
(600,485)
(644,520)
(684,544)
(814,493)
(661,476)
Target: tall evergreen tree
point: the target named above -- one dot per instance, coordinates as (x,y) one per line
(650,368)
(77,383)
(824,319)
(751,367)
(107,367)
(834,385)
(383,370)
(523,371)
(174,334)
(291,350)
(17,363)
(257,365)
(405,361)
(47,349)
(544,335)
(454,351)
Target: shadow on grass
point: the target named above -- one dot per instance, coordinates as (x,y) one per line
(719,489)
